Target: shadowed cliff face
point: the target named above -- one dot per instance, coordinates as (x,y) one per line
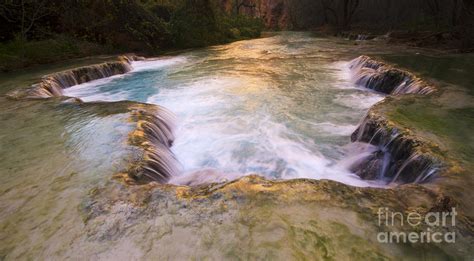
(452,20)
(274,13)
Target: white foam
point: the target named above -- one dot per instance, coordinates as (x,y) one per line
(159,63)
(362,100)
(337,129)
(88,91)
(229,125)
(214,134)
(343,75)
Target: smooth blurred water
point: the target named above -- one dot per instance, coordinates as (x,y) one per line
(52,154)
(281,106)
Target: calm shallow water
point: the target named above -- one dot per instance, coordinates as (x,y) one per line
(52,155)
(282,106)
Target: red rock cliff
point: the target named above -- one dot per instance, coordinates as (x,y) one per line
(273,12)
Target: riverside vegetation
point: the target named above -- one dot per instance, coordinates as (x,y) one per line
(39,31)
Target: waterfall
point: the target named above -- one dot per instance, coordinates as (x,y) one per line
(52,85)
(397,156)
(154,135)
(381,77)
(355,36)
(154,131)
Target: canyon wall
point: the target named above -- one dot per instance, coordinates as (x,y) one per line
(366,14)
(278,14)
(274,13)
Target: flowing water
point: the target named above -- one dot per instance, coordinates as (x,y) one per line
(282,106)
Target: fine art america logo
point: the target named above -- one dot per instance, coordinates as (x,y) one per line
(433,227)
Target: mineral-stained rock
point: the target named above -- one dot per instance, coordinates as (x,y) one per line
(256,218)
(410,158)
(274,13)
(401,157)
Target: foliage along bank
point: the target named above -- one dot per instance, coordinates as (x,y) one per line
(42,31)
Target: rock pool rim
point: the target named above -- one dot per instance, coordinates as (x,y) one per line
(144,171)
(399,156)
(153,133)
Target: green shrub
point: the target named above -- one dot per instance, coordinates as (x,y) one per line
(16,54)
(89,27)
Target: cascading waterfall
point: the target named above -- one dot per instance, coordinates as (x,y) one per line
(361,37)
(384,78)
(396,157)
(52,85)
(154,135)
(391,156)
(355,36)
(262,131)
